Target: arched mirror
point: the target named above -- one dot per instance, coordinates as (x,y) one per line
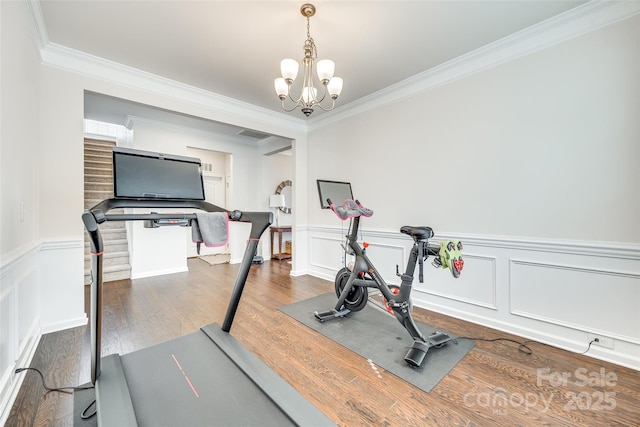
(285,188)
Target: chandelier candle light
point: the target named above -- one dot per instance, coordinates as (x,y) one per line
(325,67)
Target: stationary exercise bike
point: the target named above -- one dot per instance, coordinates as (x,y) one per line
(352,282)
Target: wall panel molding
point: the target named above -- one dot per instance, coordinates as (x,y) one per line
(12,259)
(575,247)
(613,295)
(491,285)
(317,260)
(554,291)
(19,318)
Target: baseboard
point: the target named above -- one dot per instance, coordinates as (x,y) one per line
(159,273)
(66,324)
(555,340)
(11,382)
(558,292)
(297,273)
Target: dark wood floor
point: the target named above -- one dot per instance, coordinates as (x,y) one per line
(494,384)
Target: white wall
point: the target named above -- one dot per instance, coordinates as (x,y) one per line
(164,250)
(20,302)
(276,168)
(41,151)
(217,189)
(543,146)
(534,162)
(61,110)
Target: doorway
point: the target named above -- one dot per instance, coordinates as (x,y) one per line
(216,177)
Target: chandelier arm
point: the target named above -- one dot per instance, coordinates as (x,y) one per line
(324,95)
(333,104)
(296,101)
(292,108)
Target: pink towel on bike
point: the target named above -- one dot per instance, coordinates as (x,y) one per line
(350,209)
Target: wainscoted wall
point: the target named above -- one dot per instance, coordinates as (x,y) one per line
(62,284)
(557,292)
(36,297)
(19,317)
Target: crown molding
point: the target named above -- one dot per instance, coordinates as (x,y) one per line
(565,26)
(78,62)
(37,19)
(64,58)
(575,22)
(132,120)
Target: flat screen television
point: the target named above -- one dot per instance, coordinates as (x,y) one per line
(337,191)
(141,174)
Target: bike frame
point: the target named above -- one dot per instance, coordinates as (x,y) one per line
(363,274)
(363,265)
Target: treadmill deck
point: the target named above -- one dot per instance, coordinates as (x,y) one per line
(200,379)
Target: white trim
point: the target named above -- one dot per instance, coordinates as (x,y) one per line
(41,34)
(8,261)
(576,326)
(78,62)
(492,306)
(616,260)
(621,250)
(159,272)
(316,264)
(132,120)
(576,247)
(82,63)
(571,345)
(66,324)
(565,26)
(98,136)
(575,268)
(571,325)
(13,387)
(53,245)
(17,266)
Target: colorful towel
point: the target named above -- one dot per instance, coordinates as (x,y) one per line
(451,256)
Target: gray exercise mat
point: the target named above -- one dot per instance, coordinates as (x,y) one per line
(381,339)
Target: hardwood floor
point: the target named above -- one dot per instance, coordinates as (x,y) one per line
(494,384)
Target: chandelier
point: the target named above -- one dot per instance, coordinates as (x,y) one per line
(325,67)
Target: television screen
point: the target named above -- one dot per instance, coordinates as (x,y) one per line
(145,175)
(337,191)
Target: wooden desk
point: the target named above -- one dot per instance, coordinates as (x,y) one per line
(279,230)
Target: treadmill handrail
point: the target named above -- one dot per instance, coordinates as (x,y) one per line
(98,214)
(114,203)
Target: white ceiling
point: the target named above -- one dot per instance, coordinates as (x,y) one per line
(234,48)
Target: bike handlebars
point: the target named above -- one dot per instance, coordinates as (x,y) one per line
(349,209)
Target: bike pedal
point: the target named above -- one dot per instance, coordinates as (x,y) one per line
(438,338)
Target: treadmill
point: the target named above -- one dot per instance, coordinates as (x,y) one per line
(205,378)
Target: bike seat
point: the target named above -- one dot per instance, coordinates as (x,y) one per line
(418,233)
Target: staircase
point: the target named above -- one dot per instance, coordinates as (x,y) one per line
(98,185)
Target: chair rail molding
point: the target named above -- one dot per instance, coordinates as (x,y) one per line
(558,292)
